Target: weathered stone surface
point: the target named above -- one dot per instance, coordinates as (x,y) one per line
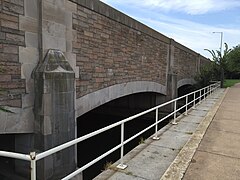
(13,8)
(9,24)
(8,57)
(31,9)
(19,121)
(11,49)
(4,78)
(28,55)
(55,113)
(54,42)
(31,39)
(2,35)
(28,24)
(15,38)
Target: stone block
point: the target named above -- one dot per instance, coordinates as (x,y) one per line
(4,78)
(26,70)
(9,24)
(53,13)
(9,17)
(16,2)
(87,33)
(14,37)
(31,39)
(28,24)
(12,69)
(28,55)
(54,29)
(59,3)
(47,129)
(12,49)
(71,58)
(69,46)
(47,104)
(28,100)
(51,42)
(70,6)
(2,35)
(31,8)
(76,70)
(5,57)
(12,8)
(21,121)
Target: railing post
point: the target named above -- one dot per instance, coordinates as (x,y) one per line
(175,113)
(186,105)
(204,94)
(210,90)
(33,165)
(194,100)
(200,97)
(155,137)
(121,165)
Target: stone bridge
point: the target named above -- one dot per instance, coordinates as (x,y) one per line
(111,54)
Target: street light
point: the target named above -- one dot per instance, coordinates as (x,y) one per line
(220,59)
(220,40)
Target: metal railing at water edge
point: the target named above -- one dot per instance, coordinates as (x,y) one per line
(197,97)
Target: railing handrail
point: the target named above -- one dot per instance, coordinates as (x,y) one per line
(14,155)
(82,138)
(33,157)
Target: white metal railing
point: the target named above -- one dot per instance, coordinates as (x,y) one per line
(198,96)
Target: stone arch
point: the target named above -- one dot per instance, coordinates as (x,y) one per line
(184,82)
(102,96)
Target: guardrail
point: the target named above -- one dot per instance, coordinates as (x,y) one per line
(197,96)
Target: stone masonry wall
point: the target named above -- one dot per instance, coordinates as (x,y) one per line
(110,53)
(112,48)
(203,61)
(104,47)
(185,64)
(11,38)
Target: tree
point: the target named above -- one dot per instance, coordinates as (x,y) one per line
(233,63)
(221,60)
(209,72)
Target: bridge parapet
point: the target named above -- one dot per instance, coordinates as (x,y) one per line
(109,47)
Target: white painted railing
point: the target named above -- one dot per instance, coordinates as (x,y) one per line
(198,96)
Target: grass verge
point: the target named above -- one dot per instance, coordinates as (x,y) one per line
(230,82)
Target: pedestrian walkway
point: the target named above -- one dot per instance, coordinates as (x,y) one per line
(218,155)
(153,159)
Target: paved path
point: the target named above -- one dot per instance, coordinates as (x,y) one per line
(218,155)
(150,160)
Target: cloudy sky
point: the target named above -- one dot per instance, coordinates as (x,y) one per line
(189,22)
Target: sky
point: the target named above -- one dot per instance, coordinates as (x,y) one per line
(189,22)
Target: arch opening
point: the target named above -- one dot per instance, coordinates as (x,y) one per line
(110,113)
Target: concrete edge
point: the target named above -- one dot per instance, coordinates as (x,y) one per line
(180,164)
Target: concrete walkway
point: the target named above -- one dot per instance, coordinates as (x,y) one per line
(218,155)
(152,160)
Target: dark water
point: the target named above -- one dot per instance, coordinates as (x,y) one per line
(95,146)
(111,113)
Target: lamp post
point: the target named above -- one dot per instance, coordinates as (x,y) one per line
(220,58)
(221,33)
